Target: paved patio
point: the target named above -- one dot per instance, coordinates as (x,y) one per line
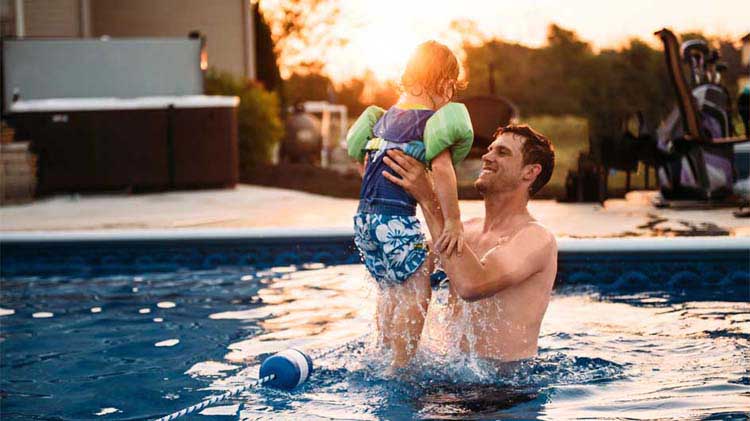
(253,206)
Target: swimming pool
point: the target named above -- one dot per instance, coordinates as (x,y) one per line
(132,326)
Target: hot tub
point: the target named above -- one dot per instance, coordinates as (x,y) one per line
(145,143)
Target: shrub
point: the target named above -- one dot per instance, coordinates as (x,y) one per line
(259,123)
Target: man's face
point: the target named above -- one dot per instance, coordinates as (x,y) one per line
(502,165)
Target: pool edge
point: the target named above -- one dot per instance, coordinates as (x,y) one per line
(565,244)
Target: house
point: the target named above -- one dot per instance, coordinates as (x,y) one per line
(226,24)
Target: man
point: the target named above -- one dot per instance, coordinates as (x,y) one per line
(500,284)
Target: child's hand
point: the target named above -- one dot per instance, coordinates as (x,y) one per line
(452,238)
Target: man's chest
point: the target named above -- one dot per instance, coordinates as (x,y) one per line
(483,244)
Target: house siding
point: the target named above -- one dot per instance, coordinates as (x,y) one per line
(221,21)
(52,18)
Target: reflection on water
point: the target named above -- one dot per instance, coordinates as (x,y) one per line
(477,402)
(310,310)
(644,355)
(641,356)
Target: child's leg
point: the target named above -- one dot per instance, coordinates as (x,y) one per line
(393,247)
(410,301)
(386,301)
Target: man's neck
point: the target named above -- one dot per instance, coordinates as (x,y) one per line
(502,210)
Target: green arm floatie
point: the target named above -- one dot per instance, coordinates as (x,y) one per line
(361,132)
(450,127)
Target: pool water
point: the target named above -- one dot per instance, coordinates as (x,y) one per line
(140,346)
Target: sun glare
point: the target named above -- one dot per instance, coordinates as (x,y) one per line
(380,36)
(380,41)
(386,55)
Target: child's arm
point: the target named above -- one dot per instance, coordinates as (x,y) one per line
(446,188)
(361,132)
(361,167)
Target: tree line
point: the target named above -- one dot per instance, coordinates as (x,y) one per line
(566,76)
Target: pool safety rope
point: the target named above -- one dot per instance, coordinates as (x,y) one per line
(284,370)
(210,401)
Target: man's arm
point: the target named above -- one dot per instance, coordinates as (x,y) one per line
(525,254)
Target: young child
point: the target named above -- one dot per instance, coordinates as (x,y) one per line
(427,126)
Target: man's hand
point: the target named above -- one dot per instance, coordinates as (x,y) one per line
(414,178)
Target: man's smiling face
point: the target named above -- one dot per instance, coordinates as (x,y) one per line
(501,165)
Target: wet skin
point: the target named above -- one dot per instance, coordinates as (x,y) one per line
(501,283)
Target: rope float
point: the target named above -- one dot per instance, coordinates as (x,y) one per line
(284,370)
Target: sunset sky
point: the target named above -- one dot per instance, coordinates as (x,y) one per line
(382,33)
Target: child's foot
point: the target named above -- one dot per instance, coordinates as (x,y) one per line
(394,371)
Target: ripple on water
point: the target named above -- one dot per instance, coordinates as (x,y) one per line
(43,315)
(210,369)
(166,304)
(674,356)
(226,410)
(107,411)
(168,342)
(283,269)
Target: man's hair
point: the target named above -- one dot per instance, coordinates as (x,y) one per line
(429,66)
(537,149)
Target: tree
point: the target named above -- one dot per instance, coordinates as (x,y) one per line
(302,31)
(566,77)
(265,52)
(307,87)
(258,118)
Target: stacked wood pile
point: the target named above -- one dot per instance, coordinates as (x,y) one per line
(17,169)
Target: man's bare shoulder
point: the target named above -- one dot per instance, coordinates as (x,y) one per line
(473,224)
(536,234)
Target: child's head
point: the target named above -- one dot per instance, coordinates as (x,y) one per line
(432,69)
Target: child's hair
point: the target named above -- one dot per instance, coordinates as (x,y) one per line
(431,64)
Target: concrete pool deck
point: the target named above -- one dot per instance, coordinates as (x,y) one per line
(249,206)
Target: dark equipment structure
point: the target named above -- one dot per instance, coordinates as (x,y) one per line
(692,150)
(119,114)
(303,140)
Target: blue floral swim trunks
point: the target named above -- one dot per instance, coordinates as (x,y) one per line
(392,246)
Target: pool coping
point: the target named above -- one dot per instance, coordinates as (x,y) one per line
(565,244)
